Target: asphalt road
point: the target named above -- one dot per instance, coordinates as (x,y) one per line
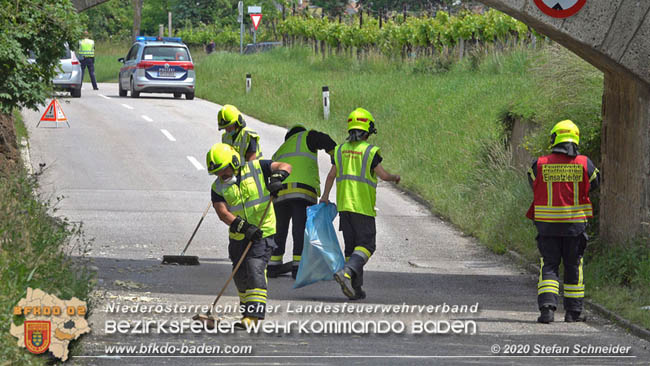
(133,171)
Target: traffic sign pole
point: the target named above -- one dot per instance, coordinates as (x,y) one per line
(240,19)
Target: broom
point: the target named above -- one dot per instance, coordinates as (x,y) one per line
(188,260)
(206,318)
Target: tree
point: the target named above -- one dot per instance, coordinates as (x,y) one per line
(110,20)
(41,27)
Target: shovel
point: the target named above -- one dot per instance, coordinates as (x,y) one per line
(188,260)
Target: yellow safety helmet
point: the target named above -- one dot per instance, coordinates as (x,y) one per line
(220,157)
(565,131)
(229,115)
(361,119)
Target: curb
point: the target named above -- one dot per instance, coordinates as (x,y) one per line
(593,306)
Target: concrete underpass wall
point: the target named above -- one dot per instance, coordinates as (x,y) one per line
(625,149)
(614,36)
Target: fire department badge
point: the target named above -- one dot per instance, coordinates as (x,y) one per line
(37,335)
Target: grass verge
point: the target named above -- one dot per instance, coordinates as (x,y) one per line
(35,251)
(439,127)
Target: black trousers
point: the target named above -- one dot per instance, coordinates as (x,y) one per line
(89,62)
(250,279)
(359,235)
(294,210)
(568,250)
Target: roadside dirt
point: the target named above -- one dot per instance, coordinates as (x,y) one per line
(9,153)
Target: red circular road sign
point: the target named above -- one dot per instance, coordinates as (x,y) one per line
(560,8)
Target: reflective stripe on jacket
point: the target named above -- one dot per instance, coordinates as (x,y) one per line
(241,142)
(303,182)
(87,48)
(356,182)
(561,190)
(248,198)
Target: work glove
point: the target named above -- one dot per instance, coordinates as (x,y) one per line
(275,182)
(250,231)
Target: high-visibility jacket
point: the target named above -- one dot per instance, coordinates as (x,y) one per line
(303,182)
(356,182)
(87,48)
(241,142)
(561,190)
(248,198)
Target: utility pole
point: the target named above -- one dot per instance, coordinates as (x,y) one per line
(137,17)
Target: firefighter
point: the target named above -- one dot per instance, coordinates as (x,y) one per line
(356,166)
(87,58)
(301,189)
(561,183)
(244,140)
(240,196)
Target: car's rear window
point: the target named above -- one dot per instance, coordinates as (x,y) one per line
(165,53)
(66,54)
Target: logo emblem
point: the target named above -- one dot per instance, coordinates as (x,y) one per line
(167,66)
(37,335)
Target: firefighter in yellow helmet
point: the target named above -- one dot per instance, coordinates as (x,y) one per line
(240,196)
(356,166)
(561,182)
(301,189)
(244,140)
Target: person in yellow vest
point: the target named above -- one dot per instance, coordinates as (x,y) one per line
(561,182)
(356,166)
(245,141)
(301,189)
(87,58)
(240,195)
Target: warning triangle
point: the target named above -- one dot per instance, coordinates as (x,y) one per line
(256,19)
(54,113)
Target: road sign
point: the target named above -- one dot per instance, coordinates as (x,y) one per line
(254,10)
(53,113)
(240,7)
(560,8)
(256,19)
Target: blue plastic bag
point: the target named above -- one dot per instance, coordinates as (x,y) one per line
(321,253)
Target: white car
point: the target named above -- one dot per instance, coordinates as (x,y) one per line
(68,75)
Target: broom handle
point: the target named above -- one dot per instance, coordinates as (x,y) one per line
(196,228)
(241,260)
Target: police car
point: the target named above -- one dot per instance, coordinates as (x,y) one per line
(157,65)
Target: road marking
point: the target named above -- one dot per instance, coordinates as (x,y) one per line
(103,96)
(169,135)
(195,162)
(126,106)
(146,118)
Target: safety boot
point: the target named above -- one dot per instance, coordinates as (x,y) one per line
(359,294)
(294,272)
(574,316)
(345,280)
(547,315)
(273,271)
(247,322)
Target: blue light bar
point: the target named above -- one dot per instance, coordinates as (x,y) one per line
(164,39)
